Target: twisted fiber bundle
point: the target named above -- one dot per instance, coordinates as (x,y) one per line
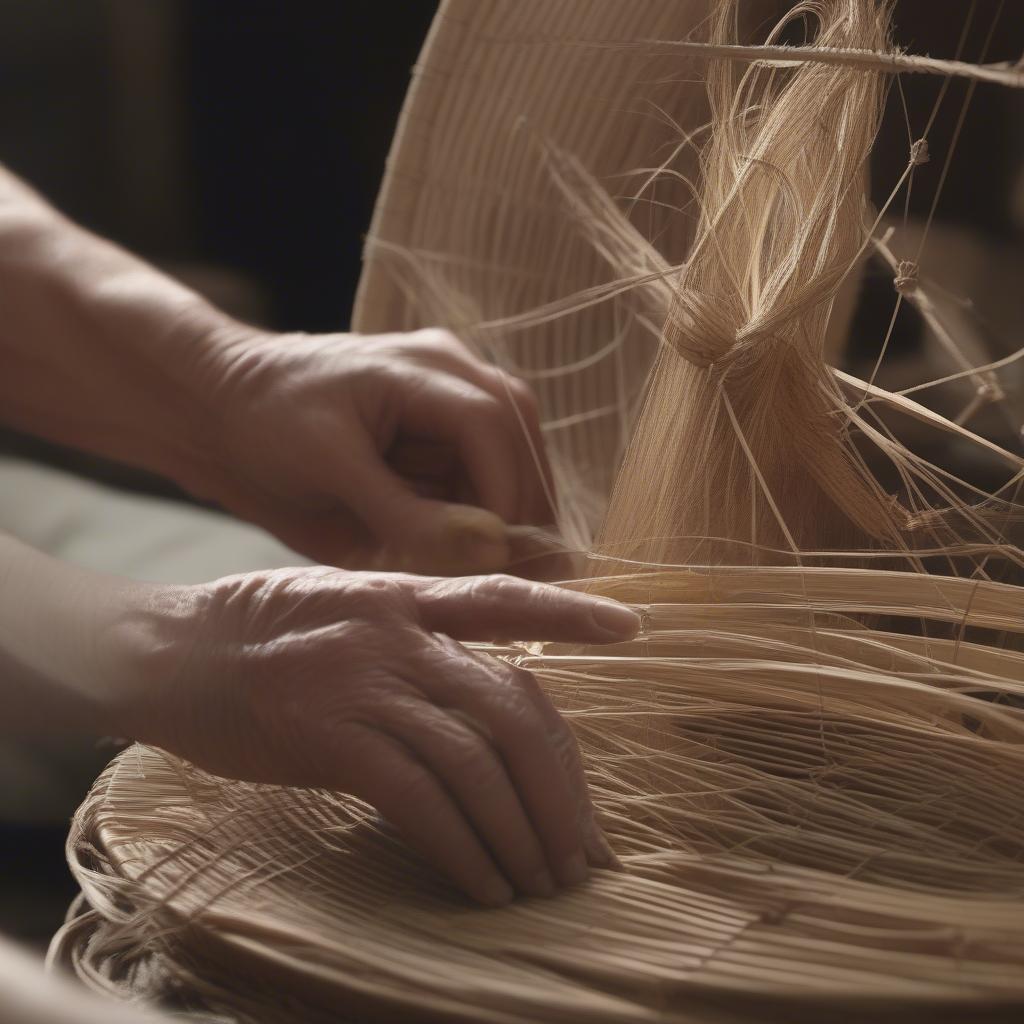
(740,391)
(810,761)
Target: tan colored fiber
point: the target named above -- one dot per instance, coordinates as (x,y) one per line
(747,413)
(865,58)
(810,762)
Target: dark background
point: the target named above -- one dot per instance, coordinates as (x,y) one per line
(240,143)
(240,134)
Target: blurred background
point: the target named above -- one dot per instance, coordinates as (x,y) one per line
(239,145)
(239,142)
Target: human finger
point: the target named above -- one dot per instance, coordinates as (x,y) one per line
(409,796)
(535,749)
(417,533)
(480,428)
(475,776)
(506,607)
(445,350)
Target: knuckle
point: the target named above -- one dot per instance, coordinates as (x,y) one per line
(444,650)
(374,595)
(525,681)
(470,757)
(433,335)
(516,694)
(559,605)
(438,338)
(406,790)
(536,719)
(446,588)
(364,367)
(522,392)
(500,587)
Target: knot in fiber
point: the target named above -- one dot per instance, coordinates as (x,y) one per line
(905,281)
(699,329)
(919,152)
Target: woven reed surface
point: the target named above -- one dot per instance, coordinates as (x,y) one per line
(815,818)
(810,821)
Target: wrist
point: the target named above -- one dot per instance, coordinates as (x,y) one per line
(82,652)
(152,642)
(199,352)
(226,360)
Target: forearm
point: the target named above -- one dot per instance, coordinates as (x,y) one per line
(77,647)
(31,996)
(100,350)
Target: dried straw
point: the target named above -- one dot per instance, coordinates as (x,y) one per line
(809,762)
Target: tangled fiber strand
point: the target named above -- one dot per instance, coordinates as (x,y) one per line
(809,761)
(739,436)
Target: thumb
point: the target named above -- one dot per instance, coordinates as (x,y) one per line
(455,540)
(421,535)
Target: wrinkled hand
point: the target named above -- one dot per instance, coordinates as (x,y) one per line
(399,451)
(351,681)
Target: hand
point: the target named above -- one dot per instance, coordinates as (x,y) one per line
(402,451)
(398,451)
(351,681)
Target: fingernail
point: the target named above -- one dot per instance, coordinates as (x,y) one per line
(497,893)
(575,869)
(540,883)
(616,619)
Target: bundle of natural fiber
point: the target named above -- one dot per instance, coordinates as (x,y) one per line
(809,762)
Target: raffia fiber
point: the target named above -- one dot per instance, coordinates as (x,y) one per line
(810,760)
